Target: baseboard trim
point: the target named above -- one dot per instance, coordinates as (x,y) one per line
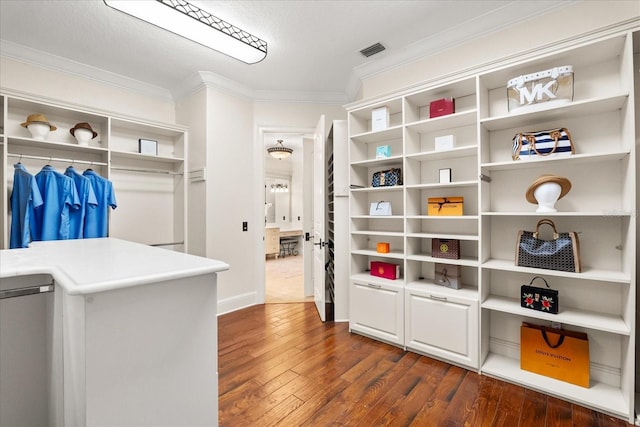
(237,302)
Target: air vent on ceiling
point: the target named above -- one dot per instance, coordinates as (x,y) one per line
(372,50)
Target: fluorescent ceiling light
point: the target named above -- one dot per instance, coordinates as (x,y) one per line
(189,21)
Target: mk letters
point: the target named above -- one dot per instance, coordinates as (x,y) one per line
(537,92)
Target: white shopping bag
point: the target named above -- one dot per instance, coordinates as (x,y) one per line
(380,208)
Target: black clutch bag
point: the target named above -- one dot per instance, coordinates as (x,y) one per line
(541,299)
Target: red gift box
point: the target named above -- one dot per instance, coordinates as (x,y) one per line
(442,107)
(385,269)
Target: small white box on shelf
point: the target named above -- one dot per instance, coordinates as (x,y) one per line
(379,119)
(148,146)
(383,152)
(446,142)
(445,176)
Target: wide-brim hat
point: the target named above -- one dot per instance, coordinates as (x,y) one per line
(38,118)
(83,125)
(564,183)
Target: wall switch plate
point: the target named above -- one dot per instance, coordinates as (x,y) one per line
(245,226)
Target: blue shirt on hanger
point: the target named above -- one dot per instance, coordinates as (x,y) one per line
(96,220)
(87,198)
(59,195)
(25,196)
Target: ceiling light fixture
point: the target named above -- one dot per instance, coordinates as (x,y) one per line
(279,151)
(189,21)
(279,188)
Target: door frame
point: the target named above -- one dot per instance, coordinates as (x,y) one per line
(258,211)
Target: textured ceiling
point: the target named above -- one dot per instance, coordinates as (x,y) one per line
(313,46)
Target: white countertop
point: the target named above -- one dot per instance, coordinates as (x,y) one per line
(284,227)
(86,266)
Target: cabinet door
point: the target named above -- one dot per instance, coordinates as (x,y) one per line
(377,310)
(443,326)
(272,241)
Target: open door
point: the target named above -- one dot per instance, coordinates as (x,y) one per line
(319,237)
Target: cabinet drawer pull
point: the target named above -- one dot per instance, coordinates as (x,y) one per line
(371,285)
(438,298)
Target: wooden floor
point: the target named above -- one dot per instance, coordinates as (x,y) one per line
(279,365)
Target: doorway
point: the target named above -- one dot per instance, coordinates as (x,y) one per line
(284,208)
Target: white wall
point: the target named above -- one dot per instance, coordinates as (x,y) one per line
(230,196)
(192,112)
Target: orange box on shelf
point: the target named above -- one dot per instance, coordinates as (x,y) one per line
(445,206)
(382,247)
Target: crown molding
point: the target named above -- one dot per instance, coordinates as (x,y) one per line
(300,97)
(51,62)
(202,79)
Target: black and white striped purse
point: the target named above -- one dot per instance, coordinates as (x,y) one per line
(545,143)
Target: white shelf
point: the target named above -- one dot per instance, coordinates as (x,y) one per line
(469,262)
(377,189)
(574,109)
(370,163)
(144,157)
(600,396)
(374,253)
(40,144)
(422,285)
(377,216)
(601,214)
(444,236)
(455,184)
(546,162)
(394,132)
(586,274)
(566,315)
(451,121)
(375,280)
(378,233)
(436,217)
(462,151)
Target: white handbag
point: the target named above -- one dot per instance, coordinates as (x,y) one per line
(380,208)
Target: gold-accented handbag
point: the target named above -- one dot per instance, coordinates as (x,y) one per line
(544,143)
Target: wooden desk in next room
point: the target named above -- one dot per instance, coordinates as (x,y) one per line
(273,235)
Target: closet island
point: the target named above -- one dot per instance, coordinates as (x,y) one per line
(107,332)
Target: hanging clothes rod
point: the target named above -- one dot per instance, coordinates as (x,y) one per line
(30,290)
(167,244)
(160,171)
(56,159)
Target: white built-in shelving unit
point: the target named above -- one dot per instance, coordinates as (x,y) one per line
(150,189)
(478,326)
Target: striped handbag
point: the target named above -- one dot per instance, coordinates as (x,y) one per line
(545,143)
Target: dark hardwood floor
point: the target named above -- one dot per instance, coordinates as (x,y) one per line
(279,365)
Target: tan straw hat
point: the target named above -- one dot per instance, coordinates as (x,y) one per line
(85,126)
(38,118)
(564,183)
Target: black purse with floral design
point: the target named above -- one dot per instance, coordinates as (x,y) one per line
(541,299)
